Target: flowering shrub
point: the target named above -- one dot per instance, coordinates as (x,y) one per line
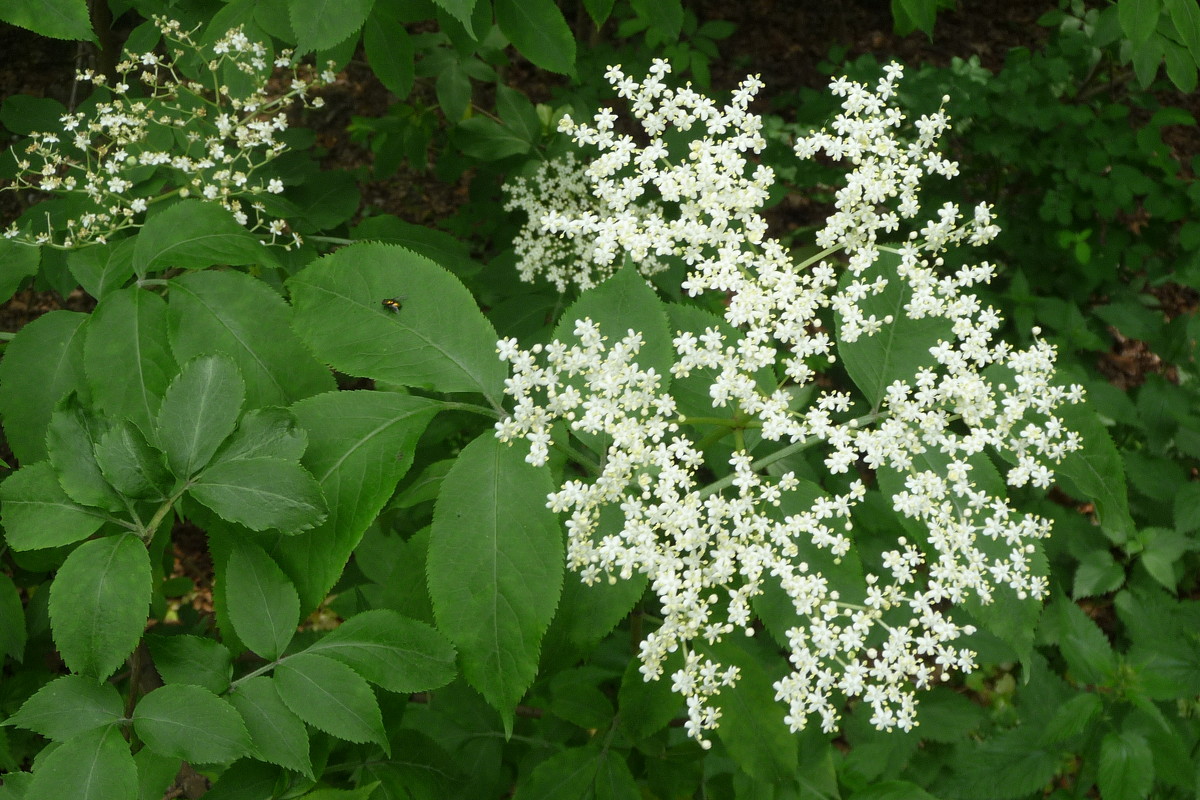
(160,134)
(707,555)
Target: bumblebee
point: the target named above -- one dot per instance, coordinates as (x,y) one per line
(392,304)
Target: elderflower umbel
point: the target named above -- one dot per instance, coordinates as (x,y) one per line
(710,550)
(199,142)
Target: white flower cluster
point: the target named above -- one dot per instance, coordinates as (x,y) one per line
(206,144)
(710,550)
(557,198)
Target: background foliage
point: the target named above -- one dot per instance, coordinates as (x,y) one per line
(388,614)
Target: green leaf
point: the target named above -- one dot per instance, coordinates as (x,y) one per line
(41,365)
(567,774)
(1185,15)
(12,620)
(439,340)
(648,706)
(1126,767)
(127,357)
(538,29)
(1187,508)
(278,735)
(752,729)
(194,660)
(95,765)
(57,19)
(518,114)
(892,790)
(69,441)
(493,534)
(459,9)
(265,433)
(199,410)
(36,512)
(487,140)
(1072,718)
(900,348)
(322,24)
(1097,470)
(439,247)
(665,16)
(192,234)
(131,464)
(1006,766)
(68,706)
(361,445)
(156,774)
(261,601)
(390,52)
(102,269)
(1138,18)
(243,318)
(921,14)
(331,697)
(261,493)
(1181,66)
(191,723)
(1098,573)
(1147,57)
(17,262)
(1085,647)
(98,603)
(397,653)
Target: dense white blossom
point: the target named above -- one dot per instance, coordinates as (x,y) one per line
(208,140)
(709,550)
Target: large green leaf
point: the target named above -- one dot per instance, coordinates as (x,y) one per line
(58,19)
(1126,767)
(752,727)
(18,261)
(438,340)
(194,660)
(193,234)
(265,433)
(98,603)
(131,464)
(68,706)
(647,706)
(900,347)
(393,651)
(199,410)
(459,9)
(191,723)
(1138,18)
(322,24)
(390,52)
(1097,471)
(102,269)
(37,513)
(278,735)
(232,313)
(360,445)
(95,765)
(539,31)
(41,365)
(12,620)
(127,358)
(261,601)
(567,774)
(495,567)
(261,493)
(69,441)
(331,697)
(1090,658)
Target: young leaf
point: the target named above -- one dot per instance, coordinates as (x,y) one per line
(331,697)
(242,317)
(193,234)
(899,348)
(439,339)
(322,24)
(200,409)
(98,603)
(36,512)
(131,464)
(261,493)
(1126,767)
(261,601)
(540,32)
(12,620)
(278,735)
(41,365)
(69,441)
(191,723)
(192,660)
(127,357)
(361,444)
(493,533)
(95,765)
(68,706)
(392,651)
